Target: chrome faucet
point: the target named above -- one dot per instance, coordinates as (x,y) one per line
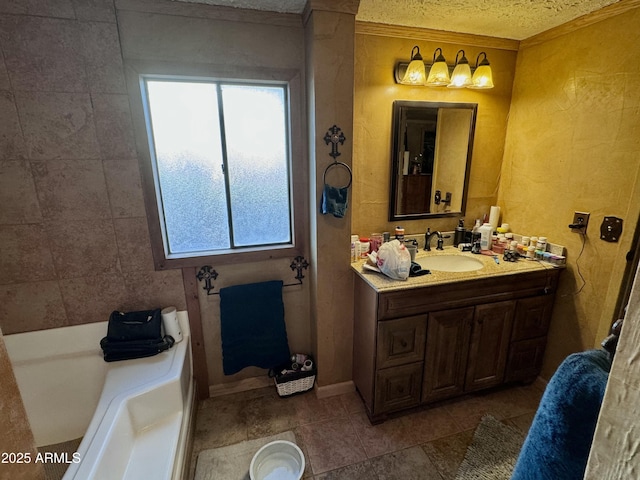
(427,240)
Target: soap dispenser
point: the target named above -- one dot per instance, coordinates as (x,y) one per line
(458,237)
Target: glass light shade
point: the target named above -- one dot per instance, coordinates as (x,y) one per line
(415,74)
(482,77)
(439,72)
(461,76)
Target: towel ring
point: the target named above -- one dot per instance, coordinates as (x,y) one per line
(340,164)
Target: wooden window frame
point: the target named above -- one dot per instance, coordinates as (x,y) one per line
(298,172)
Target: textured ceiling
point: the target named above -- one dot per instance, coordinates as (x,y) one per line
(515,19)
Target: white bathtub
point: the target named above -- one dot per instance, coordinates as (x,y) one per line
(134,415)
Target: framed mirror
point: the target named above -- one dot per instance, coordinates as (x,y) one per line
(430,159)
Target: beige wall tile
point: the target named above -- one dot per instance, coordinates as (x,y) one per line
(165,37)
(71,189)
(83,248)
(12,144)
(43,54)
(45,8)
(101,50)
(155,289)
(113,125)
(92,298)
(4,75)
(58,125)
(25,307)
(134,246)
(18,193)
(96,10)
(124,187)
(25,254)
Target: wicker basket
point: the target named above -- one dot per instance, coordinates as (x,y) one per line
(289,384)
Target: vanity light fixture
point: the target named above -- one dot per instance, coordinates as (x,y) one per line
(415,74)
(461,75)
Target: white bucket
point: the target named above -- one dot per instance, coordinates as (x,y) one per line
(278,460)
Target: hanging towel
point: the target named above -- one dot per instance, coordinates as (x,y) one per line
(334,200)
(252,326)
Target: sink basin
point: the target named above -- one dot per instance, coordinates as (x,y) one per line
(450,263)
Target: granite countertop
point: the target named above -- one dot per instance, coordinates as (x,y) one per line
(382,283)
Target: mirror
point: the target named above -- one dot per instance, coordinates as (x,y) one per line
(431,159)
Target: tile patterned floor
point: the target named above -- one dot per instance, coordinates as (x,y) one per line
(339,442)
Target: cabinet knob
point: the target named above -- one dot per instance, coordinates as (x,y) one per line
(403,343)
(400,389)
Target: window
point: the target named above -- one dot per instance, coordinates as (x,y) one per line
(220,157)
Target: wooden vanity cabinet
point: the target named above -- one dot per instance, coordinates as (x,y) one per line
(426,344)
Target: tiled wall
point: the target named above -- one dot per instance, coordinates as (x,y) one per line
(73,234)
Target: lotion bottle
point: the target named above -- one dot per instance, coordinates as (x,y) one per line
(486,232)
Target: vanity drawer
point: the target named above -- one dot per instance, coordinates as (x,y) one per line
(398,388)
(401,341)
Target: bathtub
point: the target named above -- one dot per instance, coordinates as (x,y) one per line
(135,416)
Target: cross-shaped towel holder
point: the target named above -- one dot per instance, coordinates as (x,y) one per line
(334,136)
(207,273)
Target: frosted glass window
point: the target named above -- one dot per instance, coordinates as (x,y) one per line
(221,165)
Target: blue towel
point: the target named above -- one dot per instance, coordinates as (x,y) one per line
(252,326)
(334,201)
(558,443)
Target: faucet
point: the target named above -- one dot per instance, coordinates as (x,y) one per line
(427,240)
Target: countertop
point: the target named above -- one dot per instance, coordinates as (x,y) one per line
(382,283)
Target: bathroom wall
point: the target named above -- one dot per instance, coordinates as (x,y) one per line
(377,52)
(16,433)
(73,226)
(572,144)
(73,231)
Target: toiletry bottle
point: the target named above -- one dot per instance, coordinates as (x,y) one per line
(486,231)
(400,234)
(364,247)
(542,244)
(458,237)
(475,237)
(354,245)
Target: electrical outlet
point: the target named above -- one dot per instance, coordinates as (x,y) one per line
(580,222)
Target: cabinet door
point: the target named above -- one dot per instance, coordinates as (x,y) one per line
(532,317)
(525,360)
(397,388)
(489,346)
(446,353)
(401,341)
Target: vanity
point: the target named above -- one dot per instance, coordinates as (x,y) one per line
(449,333)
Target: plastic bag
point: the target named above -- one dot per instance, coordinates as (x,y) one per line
(394,260)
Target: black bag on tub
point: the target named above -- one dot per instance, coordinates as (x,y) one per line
(134,335)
